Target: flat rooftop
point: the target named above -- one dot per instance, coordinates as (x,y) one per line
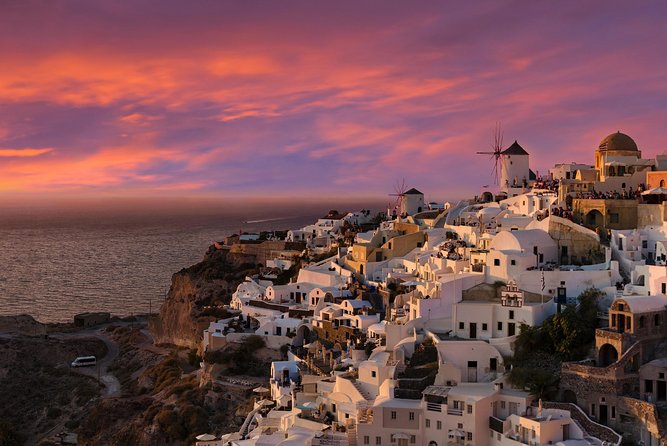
(487,293)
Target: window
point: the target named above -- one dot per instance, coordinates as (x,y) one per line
(502,404)
(373,373)
(411,416)
(413,439)
(469,436)
(438,425)
(378,440)
(648,386)
(469,408)
(613,411)
(496,262)
(393,414)
(513,262)
(664,288)
(428,423)
(500,326)
(367,439)
(461,325)
(645,244)
(592,410)
(511,314)
(485,327)
(459,426)
(613,217)
(347,415)
(661,375)
(656,320)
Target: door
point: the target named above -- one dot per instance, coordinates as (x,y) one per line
(472,371)
(662,391)
(603,414)
(511,330)
(473,330)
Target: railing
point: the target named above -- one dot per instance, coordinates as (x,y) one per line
(588,426)
(434,407)
(497,425)
(457,412)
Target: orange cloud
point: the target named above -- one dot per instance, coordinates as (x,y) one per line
(23,153)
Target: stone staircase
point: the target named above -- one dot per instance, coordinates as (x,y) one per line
(361,390)
(589,427)
(352,434)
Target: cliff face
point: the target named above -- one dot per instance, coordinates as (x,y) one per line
(195,293)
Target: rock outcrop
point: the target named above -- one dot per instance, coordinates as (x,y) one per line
(197,294)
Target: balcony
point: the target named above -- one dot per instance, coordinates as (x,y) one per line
(456,412)
(434,407)
(497,425)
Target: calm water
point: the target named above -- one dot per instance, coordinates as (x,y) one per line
(56,263)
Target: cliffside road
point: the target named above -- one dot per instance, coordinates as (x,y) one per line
(111,383)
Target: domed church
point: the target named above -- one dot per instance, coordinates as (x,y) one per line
(618,167)
(618,157)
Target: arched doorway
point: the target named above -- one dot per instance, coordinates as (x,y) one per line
(662,183)
(608,355)
(487,197)
(570,397)
(595,218)
(303,335)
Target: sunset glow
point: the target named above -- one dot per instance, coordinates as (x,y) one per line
(278,98)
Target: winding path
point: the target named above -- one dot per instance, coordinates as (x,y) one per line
(111,383)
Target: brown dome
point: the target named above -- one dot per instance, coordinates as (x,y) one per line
(618,141)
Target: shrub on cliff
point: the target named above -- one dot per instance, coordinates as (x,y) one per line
(253,343)
(165,373)
(9,435)
(184,423)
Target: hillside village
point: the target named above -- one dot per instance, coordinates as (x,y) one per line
(533,314)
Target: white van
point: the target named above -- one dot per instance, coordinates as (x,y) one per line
(84,361)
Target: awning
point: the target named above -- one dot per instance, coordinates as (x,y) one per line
(456,433)
(206,437)
(413,283)
(656,191)
(308,405)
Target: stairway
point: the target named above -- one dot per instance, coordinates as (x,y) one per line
(352,434)
(361,390)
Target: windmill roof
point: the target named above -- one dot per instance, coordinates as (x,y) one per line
(413,191)
(514,149)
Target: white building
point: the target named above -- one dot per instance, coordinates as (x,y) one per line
(512,252)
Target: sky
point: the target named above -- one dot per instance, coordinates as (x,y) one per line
(133,98)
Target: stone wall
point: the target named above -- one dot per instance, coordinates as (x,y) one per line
(594,429)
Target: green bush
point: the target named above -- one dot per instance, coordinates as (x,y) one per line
(253,343)
(9,434)
(193,358)
(53,412)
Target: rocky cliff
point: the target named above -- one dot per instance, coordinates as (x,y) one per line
(197,294)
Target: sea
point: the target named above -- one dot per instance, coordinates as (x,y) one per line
(58,261)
